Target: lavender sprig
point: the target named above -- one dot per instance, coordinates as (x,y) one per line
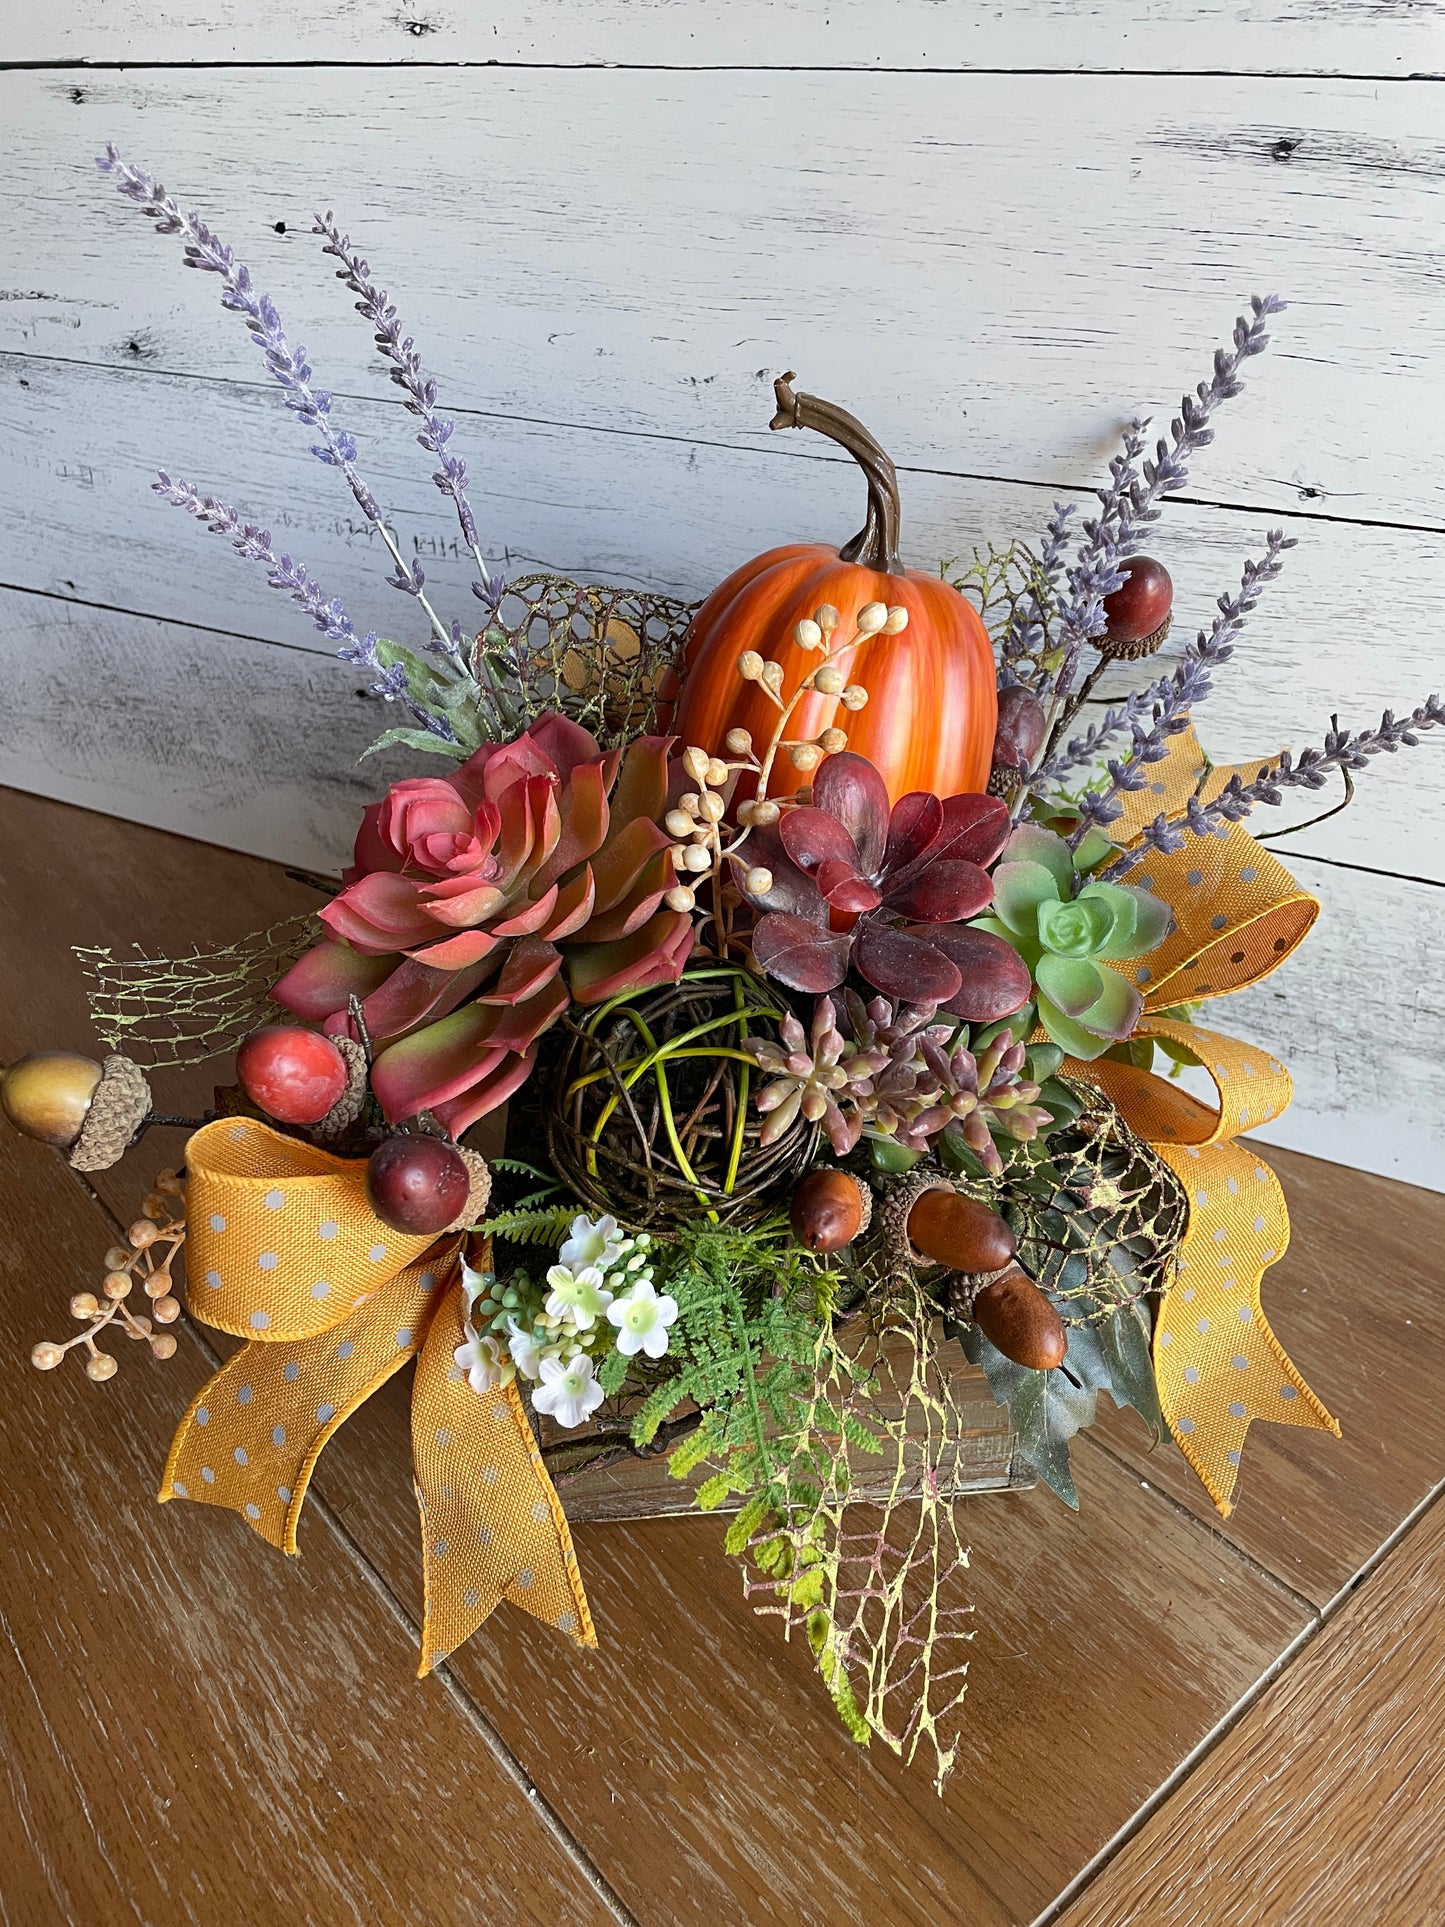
(1311,769)
(375,307)
(247,539)
(206,251)
(1132,500)
(1026,631)
(1082,750)
(282,572)
(1188,686)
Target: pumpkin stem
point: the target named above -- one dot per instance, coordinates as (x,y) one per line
(875,545)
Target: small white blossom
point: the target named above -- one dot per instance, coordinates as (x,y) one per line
(482,1361)
(580,1295)
(527,1351)
(568,1392)
(642,1319)
(475,1284)
(594,1241)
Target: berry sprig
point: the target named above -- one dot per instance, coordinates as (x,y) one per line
(145,1259)
(706,843)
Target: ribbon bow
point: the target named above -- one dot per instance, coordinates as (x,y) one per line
(286,1252)
(1238,914)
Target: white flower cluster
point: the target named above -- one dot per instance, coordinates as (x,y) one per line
(598,1295)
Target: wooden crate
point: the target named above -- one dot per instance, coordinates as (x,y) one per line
(628,1487)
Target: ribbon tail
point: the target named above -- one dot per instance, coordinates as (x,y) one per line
(492,1525)
(253,1433)
(1217,1361)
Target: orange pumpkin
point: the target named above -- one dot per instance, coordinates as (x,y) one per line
(932,705)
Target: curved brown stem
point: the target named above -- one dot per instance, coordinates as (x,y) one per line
(875,545)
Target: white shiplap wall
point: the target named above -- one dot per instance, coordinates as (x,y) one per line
(995,234)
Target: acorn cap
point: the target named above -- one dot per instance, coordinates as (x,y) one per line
(352,1101)
(117,1111)
(1119,649)
(480,1173)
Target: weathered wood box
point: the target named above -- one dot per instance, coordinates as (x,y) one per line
(602,1479)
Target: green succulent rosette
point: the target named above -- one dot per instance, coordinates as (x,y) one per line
(1070,933)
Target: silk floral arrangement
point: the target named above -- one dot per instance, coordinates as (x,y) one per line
(819,949)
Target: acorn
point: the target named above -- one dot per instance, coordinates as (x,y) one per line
(1137,614)
(48,1095)
(959,1232)
(829,1209)
(416,1184)
(1013,1314)
(91,1110)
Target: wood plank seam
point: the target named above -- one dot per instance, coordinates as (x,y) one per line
(781,451)
(467,1708)
(1211,1527)
(81,63)
(1198,1754)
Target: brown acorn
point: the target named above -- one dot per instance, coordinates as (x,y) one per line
(829,1209)
(1015,1316)
(92,1111)
(959,1232)
(48,1095)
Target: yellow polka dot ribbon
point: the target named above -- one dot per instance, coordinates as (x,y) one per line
(1238,914)
(285,1251)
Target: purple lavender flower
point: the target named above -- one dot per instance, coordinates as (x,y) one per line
(1190,683)
(255,544)
(374,306)
(290,368)
(1311,769)
(1132,500)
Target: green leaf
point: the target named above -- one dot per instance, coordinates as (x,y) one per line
(1046,1409)
(1018,891)
(421,739)
(1071,983)
(1071,1038)
(1042,1060)
(1125,1340)
(1141,920)
(1079,929)
(612,1373)
(1117,1010)
(1031,843)
(1094,849)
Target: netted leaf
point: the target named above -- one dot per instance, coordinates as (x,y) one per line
(1011,590)
(598,654)
(876,1588)
(186,1009)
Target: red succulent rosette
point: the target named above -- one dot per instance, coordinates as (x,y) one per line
(480,902)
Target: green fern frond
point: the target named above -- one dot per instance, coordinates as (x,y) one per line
(551,1226)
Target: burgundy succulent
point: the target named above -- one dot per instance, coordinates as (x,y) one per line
(853,885)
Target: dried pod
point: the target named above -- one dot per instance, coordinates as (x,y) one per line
(480,1173)
(959,1232)
(829,1209)
(1013,1314)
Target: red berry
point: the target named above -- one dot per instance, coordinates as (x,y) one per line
(1141,603)
(294,1075)
(417,1184)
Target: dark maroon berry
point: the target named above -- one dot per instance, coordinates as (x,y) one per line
(1021,726)
(1140,606)
(417,1184)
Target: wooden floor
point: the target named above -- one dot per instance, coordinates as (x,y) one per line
(1172,1721)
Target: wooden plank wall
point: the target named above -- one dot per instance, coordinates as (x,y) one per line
(995,233)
